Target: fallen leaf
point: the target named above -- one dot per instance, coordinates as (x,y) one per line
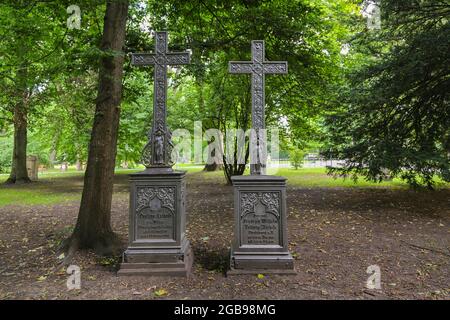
(161,292)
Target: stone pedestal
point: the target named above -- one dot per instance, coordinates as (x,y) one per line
(157,242)
(33,167)
(260,238)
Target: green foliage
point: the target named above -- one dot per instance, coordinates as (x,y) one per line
(394,114)
(308,34)
(6,147)
(296,157)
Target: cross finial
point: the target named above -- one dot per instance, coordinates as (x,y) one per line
(258,67)
(157,152)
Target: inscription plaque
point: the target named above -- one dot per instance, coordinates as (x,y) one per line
(155,213)
(260,220)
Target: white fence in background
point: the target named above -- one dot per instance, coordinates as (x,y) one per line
(286,163)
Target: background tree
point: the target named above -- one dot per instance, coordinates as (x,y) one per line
(28,47)
(394,115)
(296,157)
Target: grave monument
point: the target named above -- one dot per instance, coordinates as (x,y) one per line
(33,167)
(157,218)
(260,238)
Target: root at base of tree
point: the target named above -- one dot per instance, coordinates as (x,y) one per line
(17,181)
(105,244)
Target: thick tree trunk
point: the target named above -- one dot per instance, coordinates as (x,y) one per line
(93,229)
(19,173)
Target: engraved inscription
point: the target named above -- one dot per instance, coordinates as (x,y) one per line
(155,213)
(260,218)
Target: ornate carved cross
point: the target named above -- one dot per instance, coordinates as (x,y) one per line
(258,68)
(157,152)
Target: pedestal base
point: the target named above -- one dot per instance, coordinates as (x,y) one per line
(151,262)
(157,243)
(260,243)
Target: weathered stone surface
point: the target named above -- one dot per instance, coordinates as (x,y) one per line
(33,167)
(157,242)
(260,237)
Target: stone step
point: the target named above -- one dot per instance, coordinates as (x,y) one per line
(238,272)
(155,265)
(172,272)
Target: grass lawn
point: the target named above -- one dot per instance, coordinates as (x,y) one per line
(58,187)
(34,196)
(317,177)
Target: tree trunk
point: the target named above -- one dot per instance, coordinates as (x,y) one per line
(52,158)
(235,168)
(93,229)
(213,162)
(79,160)
(19,173)
(54,148)
(79,164)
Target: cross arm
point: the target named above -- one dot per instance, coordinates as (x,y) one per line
(142,59)
(174,58)
(240,67)
(276,67)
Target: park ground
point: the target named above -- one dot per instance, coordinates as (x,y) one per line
(337,229)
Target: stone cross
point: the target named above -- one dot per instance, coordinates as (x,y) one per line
(258,68)
(157,152)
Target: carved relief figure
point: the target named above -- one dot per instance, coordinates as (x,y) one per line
(159,149)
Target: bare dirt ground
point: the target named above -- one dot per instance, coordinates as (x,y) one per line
(334,234)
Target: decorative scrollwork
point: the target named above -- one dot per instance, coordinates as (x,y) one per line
(248,202)
(165,194)
(169,148)
(144,196)
(271,201)
(146,156)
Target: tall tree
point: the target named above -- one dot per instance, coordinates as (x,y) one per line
(394,116)
(27,61)
(93,227)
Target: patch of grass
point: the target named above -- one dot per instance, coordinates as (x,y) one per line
(49,174)
(22,196)
(317,177)
(56,187)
